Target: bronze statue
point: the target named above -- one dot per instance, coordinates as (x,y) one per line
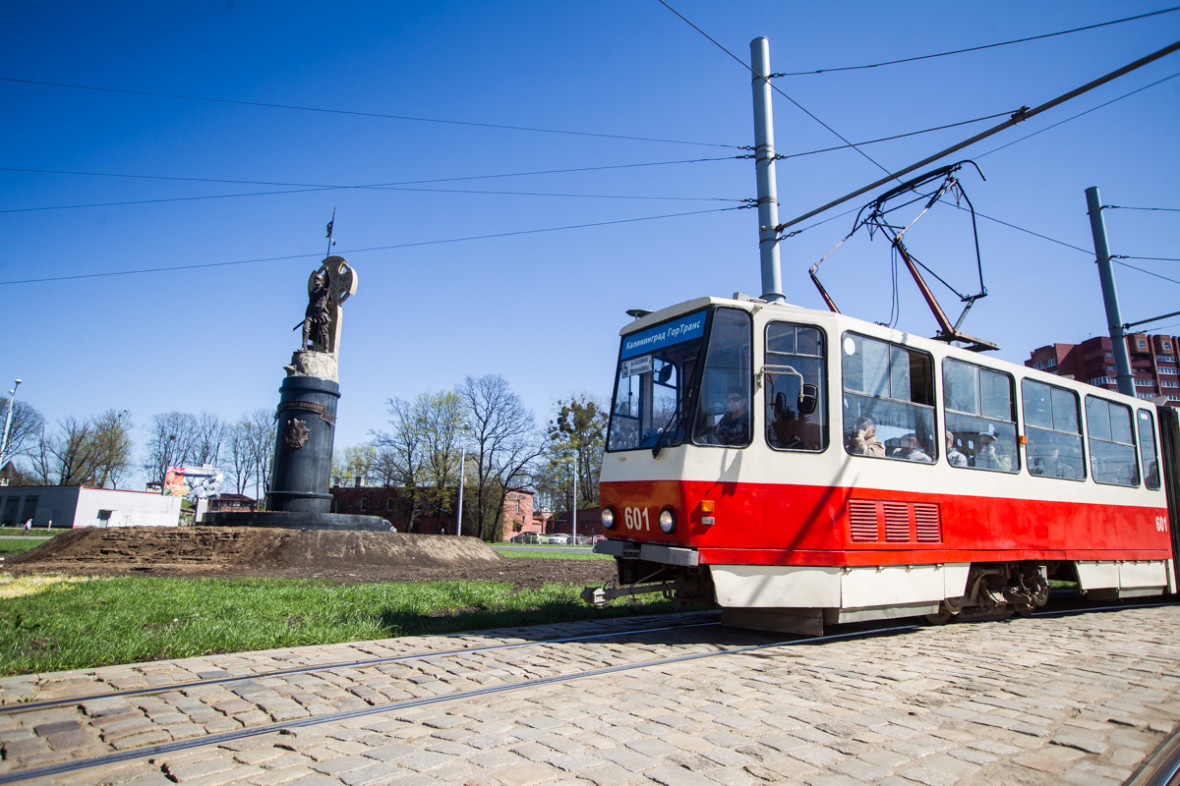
(318,317)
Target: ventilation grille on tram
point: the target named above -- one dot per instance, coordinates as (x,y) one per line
(880,521)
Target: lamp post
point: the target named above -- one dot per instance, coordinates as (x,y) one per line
(8,422)
(459,514)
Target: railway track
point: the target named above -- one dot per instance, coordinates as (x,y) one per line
(226,709)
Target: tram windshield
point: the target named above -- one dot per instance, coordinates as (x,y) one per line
(656,368)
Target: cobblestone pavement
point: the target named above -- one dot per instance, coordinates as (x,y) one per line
(1081,699)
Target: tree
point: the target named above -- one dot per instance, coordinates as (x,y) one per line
(241,458)
(62,459)
(86,452)
(444,427)
(111,447)
(399,460)
(173,441)
(506,445)
(24,430)
(421,451)
(577,435)
(261,442)
(355,461)
(210,433)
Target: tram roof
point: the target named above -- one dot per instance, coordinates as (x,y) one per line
(740,300)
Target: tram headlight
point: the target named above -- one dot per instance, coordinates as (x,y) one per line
(608,518)
(668,521)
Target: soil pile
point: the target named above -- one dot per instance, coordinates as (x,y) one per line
(320,554)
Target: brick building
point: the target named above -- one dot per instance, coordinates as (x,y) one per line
(392,504)
(1153,364)
(589,523)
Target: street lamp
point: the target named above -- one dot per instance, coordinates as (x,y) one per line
(459,514)
(8,422)
(574,509)
(464,431)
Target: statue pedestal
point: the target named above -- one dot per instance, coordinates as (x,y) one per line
(305,429)
(298,498)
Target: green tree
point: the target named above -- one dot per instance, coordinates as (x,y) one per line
(577,435)
(421,451)
(355,461)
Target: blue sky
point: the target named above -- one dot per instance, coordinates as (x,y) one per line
(629,86)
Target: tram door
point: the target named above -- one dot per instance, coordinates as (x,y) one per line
(1169,422)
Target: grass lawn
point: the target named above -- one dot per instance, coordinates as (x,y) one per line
(51,623)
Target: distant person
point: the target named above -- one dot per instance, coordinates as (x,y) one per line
(28,524)
(953,454)
(911,449)
(864,441)
(987,457)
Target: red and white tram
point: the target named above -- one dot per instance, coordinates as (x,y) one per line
(800,467)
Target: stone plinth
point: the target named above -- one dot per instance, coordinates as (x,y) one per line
(304,431)
(302,521)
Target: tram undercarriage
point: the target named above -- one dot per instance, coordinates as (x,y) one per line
(752,596)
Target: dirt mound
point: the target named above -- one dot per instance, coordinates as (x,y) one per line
(261,551)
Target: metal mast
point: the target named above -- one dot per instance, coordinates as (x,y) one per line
(772,287)
(1110,296)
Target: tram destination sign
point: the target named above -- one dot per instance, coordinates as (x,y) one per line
(684,328)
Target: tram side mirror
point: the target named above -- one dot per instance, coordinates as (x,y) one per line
(808,398)
(664,373)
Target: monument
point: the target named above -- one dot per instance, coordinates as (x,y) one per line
(305,421)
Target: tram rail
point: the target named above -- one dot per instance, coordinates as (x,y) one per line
(20,707)
(592,666)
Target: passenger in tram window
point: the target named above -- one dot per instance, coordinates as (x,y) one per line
(1054,466)
(864,442)
(953,454)
(987,457)
(911,450)
(734,426)
(1153,475)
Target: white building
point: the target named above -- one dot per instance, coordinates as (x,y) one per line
(82,506)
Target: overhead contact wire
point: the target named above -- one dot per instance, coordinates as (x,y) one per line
(1017,117)
(982,46)
(356,113)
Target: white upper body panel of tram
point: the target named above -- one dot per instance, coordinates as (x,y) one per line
(1056,434)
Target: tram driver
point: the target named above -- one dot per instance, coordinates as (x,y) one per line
(734,426)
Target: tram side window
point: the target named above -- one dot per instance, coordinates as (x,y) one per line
(724,416)
(1112,443)
(980,417)
(1054,432)
(796,387)
(888,400)
(1147,455)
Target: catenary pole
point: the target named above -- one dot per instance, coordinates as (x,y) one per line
(772,287)
(1110,295)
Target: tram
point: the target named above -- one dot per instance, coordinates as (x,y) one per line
(800,468)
